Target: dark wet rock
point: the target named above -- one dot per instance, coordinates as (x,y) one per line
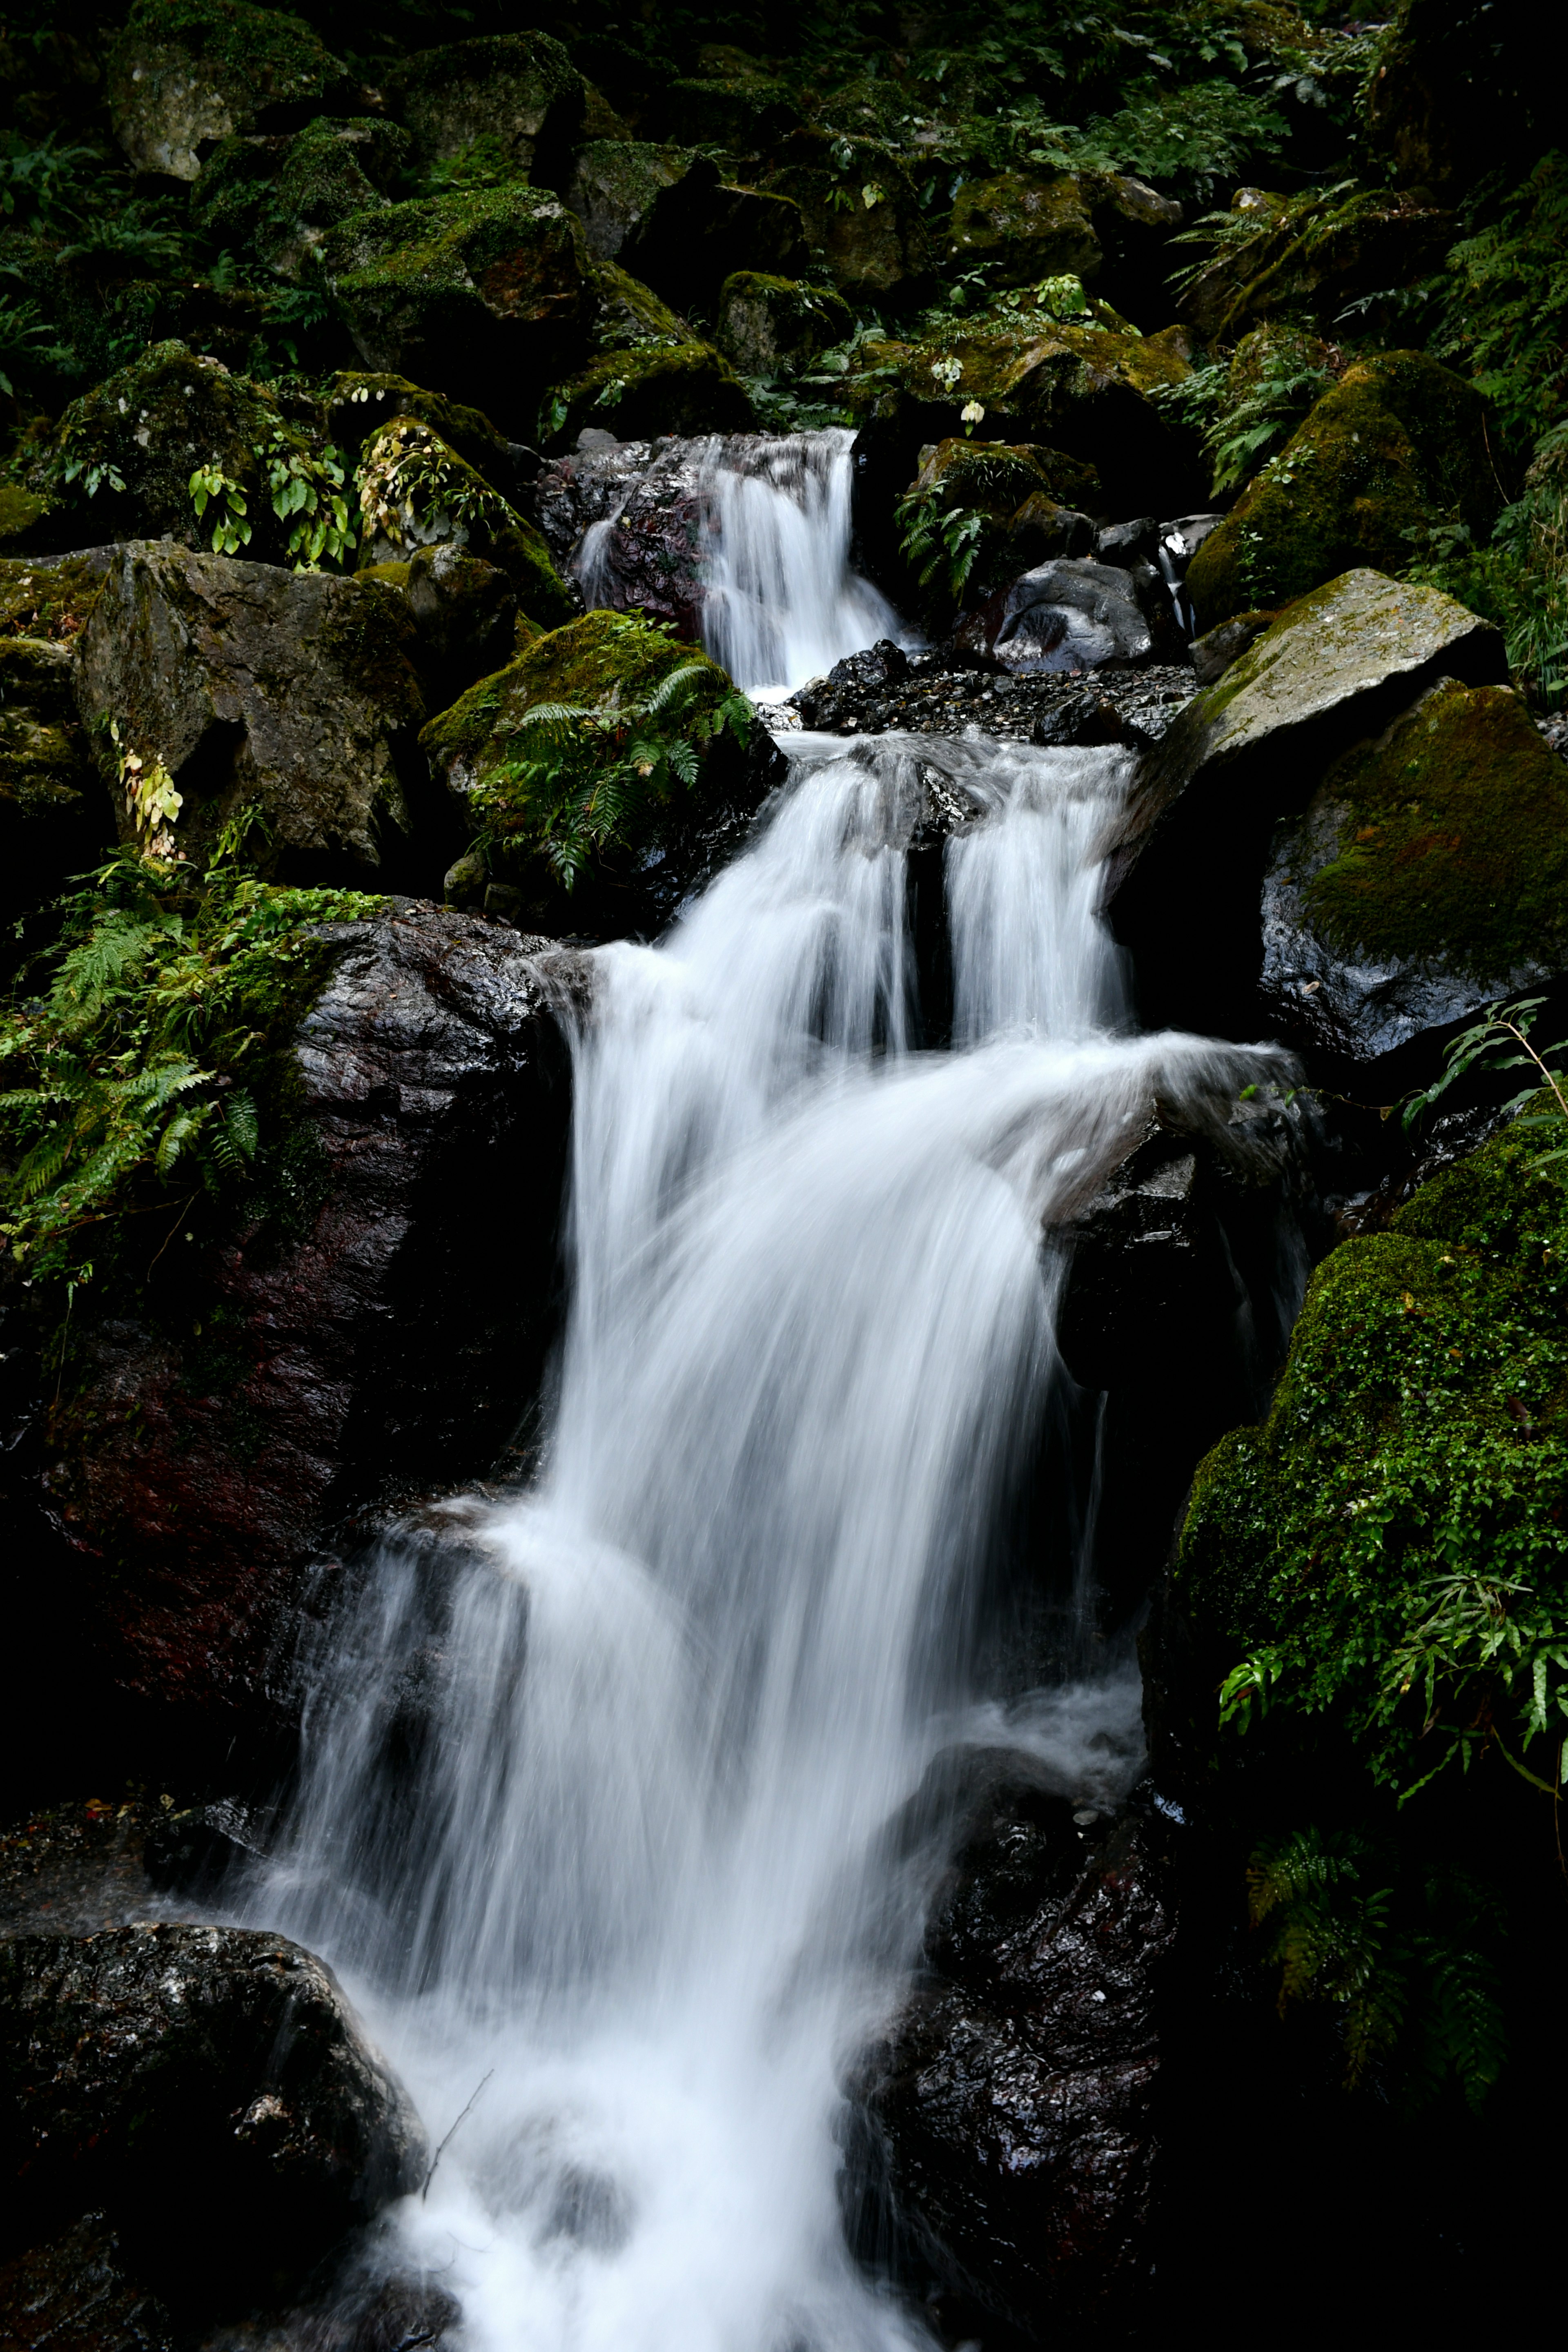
(1395,449)
(1073,614)
(958,689)
(54,818)
(1086,718)
(195,1850)
(69,1869)
(1214,653)
(466,612)
(485,293)
(258,689)
(73,2294)
(765,321)
(515,96)
(183,72)
(1186,857)
(885,664)
(1424,880)
(617,184)
(220,1435)
(1128,542)
(207,2088)
(1009,2123)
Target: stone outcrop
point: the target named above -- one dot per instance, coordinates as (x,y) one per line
(288,702)
(515,97)
(186,71)
(1186,857)
(209,2091)
(356,1346)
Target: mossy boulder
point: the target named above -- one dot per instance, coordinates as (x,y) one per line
(120,461)
(359,404)
(1397,446)
(54,819)
(1420,1430)
(1187,854)
(764,321)
(1020,230)
(416,492)
(185,71)
(606,663)
(484,293)
(279,193)
(286,706)
(639,393)
(1427,877)
(629,315)
(864,227)
(615,184)
(24,516)
(742,114)
(515,99)
(1309,257)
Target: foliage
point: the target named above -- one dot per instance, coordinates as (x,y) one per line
(210,486)
(584,776)
(1263,409)
(306,492)
(27,343)
(1504,305)
(1389,1548)
(940,540)
(140,1068)
(1400,1951)
(410,476)
(1519,577)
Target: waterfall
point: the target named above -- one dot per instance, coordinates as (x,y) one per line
(598,1781)
(756,529)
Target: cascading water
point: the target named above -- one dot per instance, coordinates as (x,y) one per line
(597,1789)
(777,597)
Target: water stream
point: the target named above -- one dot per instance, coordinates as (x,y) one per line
(597,1781)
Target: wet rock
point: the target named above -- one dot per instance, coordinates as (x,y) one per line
(220,1434)
(884,663)
(681,387)
(485,293)
(1186,857)
(517,97)
(1424,880)
(1214,653)
(73,2291)
(293,696)
(954,690)
(209,2089)
(186,71)
(765,321)
(1397,446)
(1086,718)
(1127,543)
(1010,2130)
(1073,614)
(652,509)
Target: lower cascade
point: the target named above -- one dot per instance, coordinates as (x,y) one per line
(606,1786)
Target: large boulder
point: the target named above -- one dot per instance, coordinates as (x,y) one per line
(346,1343)
(1072,613)
(1427,877)
(279,193)
(1009,2122)
(357,404)
(183,72)
(484,293)
(863,224)
(1396,447)
(617,184)
(281,700)
(209,2089)
(1185,858)
(765,321)
(1021,229)
(1309,257)
(604,668)
(647,392)
(514,97)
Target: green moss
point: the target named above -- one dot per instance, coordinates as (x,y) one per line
(744,114)
(1420,1431)
(763,319)
(235,189)
(522,240)
(631,316)
(277,55)
(1022,229)
(416,491)
(1397,446)
(46,601)
(340,165)
(1455,844)
(638,394)
(21,511)
(996,476)
(359,404)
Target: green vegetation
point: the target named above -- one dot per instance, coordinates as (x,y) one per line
(147,1077)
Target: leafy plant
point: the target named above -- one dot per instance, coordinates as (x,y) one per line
(1520,579)
(210,486)
(583,775)
(1260,419)
(1504,301)
(140,1068)
(1395,1950)
(27,343)
(938,541)
(309,490)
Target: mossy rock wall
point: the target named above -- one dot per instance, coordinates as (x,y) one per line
(1395,448)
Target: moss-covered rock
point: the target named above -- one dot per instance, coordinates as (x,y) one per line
(1310,256)
(515,97)
(1020,228)
(120,461)
(358,404)
(416,492)
(50,597)
(279,193)
(54,818)
(485,293)
(629,315)
(636,394)
(742,114)
(24,516)
(1428,876)
(765,320)
(281,706)
(185,71)
(615,183)
(1396,447)
(1420,1431)
(864,227)
(607,665)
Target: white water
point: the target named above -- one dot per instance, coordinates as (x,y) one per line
(639,1873)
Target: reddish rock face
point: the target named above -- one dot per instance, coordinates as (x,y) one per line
(395,1347)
